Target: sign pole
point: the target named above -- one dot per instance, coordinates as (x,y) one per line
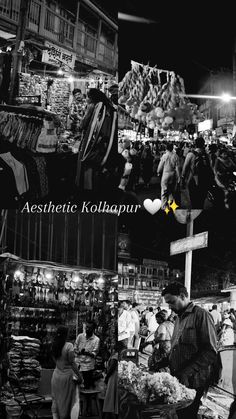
(188,260)
(189,243)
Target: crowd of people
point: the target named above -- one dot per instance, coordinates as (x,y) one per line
(75,368)
(206,171)
(186,339)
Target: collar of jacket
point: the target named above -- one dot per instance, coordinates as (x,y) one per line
(189,309)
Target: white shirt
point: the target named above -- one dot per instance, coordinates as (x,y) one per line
(131,321)
(216,317)
(152,324)
(148,315)
(123,325)
(227,338)
(135,317)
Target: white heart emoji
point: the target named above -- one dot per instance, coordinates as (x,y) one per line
(152,206)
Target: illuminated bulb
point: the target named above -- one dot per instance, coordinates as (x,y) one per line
(8,49)
(17,274)
(60,72)
(0,51)
(226,97)
(48,275)
(70,79)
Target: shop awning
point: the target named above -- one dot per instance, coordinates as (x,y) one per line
(7,35)
(57,266)
(214,299)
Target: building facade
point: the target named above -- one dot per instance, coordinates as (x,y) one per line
(221,113)
(80,36)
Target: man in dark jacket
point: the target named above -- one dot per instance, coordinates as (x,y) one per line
(193,347)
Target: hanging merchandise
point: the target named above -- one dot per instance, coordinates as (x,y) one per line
(24,128)
(155,98)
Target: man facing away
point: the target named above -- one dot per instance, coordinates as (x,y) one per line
(169,171)
(86,349)
(130,322)
(124,319)
(216,317)
(193,346)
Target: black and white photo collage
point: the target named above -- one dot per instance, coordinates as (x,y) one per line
(117,210)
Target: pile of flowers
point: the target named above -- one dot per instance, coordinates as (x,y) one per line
(165,386)
(133,380)
(159,387)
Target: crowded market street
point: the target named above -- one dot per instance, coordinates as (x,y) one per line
(162,297)
(176,111)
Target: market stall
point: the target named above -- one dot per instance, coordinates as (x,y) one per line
(39,145)
(39,296)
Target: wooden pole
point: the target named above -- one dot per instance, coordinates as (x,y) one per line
(17,55)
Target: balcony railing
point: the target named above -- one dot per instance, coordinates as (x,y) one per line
(56,28)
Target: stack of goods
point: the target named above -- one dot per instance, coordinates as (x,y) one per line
(162,388)
(23,363)
(33,85)
(54,92)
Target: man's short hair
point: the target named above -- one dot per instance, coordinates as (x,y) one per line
(91,323)
(200,142)
(175,288)
(214,307)
(169,147)
(76,91)
(128,302)
(150,308)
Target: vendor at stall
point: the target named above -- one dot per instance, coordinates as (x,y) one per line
(193,348)
(86,349)
(77,110)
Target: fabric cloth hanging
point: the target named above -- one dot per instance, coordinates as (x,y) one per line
(19,171)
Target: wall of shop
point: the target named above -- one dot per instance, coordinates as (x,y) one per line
(74,239)
(55,91)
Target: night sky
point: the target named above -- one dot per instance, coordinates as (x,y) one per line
(151,236)
(191,39)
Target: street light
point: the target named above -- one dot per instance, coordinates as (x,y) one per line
(226,97)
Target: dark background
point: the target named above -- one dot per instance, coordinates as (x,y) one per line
(191,38)
(151,236)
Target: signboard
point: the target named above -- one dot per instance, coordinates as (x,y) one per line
(125,295)
(148,298)
(205,125)
(225,121)
(58,56)
(197,241)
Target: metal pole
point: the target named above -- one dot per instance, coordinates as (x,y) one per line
(17,55)
(4,220)
(188,260)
